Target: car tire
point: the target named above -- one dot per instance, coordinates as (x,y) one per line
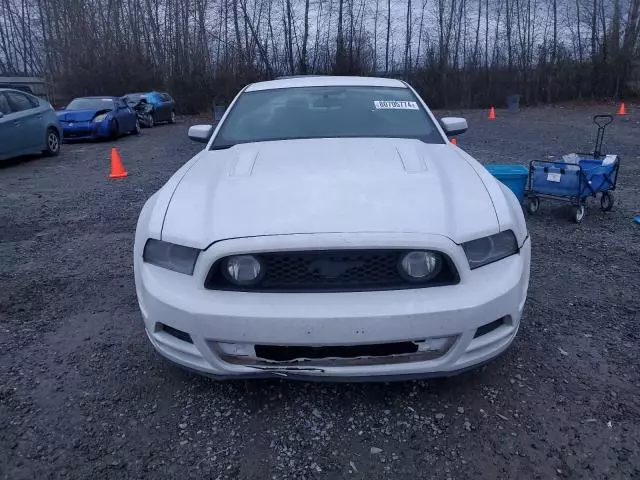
(150,121)
(172,118)
(52,143)
(578,214)
(114,130)
(136,128)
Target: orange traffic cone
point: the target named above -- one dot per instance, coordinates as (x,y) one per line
(454,141)
(622,110)
(492,113)
(117,169)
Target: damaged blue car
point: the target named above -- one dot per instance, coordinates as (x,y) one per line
(93,118)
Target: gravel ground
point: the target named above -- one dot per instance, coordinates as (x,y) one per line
(83,395)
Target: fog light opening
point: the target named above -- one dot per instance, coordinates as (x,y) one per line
(174,332)
(236,349)
(437,344)
(490,327)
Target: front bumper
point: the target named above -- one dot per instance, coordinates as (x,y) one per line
(214,320)
(85,130)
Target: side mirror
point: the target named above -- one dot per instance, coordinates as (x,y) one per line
(200,133)
(454,125)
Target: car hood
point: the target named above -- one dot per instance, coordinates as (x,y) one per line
(329,186)
(78,115)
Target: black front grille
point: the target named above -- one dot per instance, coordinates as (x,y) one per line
(289,353)
(76,133)
(331,271)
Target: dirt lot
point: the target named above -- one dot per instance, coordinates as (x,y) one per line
(83,395)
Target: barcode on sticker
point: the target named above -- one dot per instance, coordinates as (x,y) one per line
(395,105)
(554,177)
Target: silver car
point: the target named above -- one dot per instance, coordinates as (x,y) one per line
(28,125)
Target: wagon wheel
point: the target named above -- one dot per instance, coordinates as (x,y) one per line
(606,201)
(578,214)
(533,205)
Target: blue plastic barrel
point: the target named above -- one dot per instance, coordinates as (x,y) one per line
(513,103)
(513,176)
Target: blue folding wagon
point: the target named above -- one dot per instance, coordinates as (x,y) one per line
(574,182)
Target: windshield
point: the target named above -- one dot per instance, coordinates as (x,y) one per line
(91,104)
(133,98)
(326,112)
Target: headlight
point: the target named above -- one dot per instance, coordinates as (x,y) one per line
(244,270)
(170,256)
(420,266)
(490,249)
(100,117)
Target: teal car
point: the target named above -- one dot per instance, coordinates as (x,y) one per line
(28,125)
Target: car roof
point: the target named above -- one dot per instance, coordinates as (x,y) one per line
(3,89)
(110,97)
(325,81)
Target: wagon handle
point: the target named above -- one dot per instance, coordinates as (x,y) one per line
(601,121)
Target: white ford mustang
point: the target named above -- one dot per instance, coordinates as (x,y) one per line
(330,230)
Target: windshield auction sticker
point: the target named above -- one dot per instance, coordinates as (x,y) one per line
(395,105)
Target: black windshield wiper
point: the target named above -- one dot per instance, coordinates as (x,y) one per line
(222,147)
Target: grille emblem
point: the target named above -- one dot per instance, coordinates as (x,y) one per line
(331,268)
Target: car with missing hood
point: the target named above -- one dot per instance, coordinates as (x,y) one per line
(330,230)
(93,118)
(163,106)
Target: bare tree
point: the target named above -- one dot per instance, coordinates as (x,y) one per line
(340,49)
(407,42)
(462,52)
(305,38)
(386,54)
(375,36)
(420,32)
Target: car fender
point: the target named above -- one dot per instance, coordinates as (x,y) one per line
(154,210)
(104,127)
(505,203)
(132,118)
(511,216)
(145,226)
(55,126)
